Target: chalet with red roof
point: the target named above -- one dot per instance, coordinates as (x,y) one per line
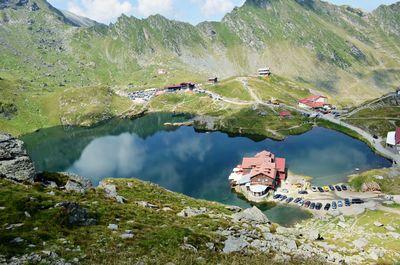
(393,140)
(260,173)
(314,102)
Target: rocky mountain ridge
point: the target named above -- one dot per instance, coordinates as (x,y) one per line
(334,48)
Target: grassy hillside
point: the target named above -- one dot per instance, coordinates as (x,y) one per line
(388,180)
(279,88)
(231,88)
(158,234)
(49,64)
(377,117)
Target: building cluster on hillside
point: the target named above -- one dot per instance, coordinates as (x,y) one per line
(259,174)
(181,86)
(393,140)
(148,94)
(319,103)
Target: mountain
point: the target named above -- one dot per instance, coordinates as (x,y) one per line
(78,20)
(340,51)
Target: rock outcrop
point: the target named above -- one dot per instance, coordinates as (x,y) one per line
(189,212)
(251,215)
(77,183)
(110,191)
(370,186)
(15,163)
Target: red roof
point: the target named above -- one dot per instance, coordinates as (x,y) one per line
(397,136)
(312,101)
(285,114)
(266,164)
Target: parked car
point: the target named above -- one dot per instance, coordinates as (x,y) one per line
(344,187)
(283,197)
(288,200)
(338,188)
(331,188)
(297,200)
(312,205)
(334,205)
(375,136)
(276,196)
(340,204)
(326,188)
(303,192)
(318,206)
(301,203)
(314,189)
(307,204)
(347,202)
(327,206)
(357,201)
(320,189)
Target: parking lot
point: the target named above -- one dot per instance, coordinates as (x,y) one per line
(333,199)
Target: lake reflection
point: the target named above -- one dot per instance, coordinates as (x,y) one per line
(196,164)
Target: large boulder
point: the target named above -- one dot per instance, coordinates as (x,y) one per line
(76,183)
(251,215)
(233,244)
(15,163)
(370,186)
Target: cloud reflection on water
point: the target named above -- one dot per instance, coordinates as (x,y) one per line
(111,156)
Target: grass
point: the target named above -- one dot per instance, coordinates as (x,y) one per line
(377,116)
(275,87)
(264,121)
(188,103)
(230,88)
(390,184)
(377,120)
(158,235)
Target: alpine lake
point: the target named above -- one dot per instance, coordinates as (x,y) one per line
(194,163)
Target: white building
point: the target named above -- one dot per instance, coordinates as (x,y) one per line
(393,140)
(264,71)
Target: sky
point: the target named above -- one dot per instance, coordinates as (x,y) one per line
(192,11)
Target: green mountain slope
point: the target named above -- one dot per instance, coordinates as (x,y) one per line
(78,20)
(335,50)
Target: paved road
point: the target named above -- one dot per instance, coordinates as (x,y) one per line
(376,143)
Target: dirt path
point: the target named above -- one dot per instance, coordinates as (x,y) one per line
(251,92)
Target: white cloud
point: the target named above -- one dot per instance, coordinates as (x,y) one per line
(108,156)
(215,7)
(152,7)
(99,10)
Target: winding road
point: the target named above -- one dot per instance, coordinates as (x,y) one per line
(376,143)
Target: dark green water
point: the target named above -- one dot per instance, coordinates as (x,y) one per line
(196,164)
